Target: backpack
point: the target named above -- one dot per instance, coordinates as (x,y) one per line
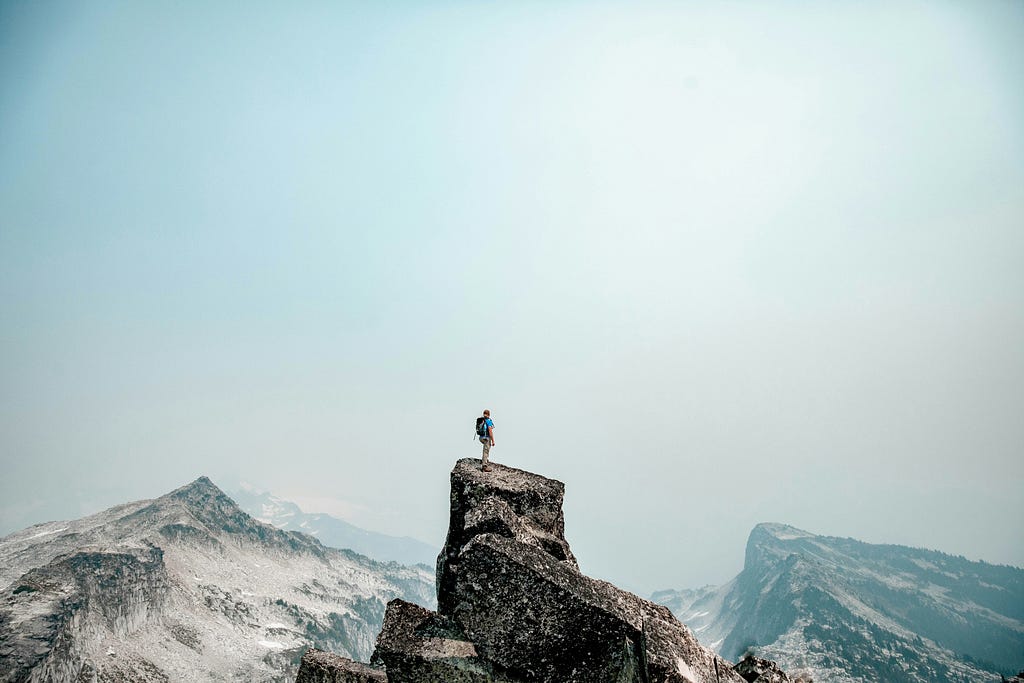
(481,427)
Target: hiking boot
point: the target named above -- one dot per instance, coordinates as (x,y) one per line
(486,468)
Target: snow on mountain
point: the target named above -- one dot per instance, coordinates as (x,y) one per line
(846,611)
(332,531)
(186,587)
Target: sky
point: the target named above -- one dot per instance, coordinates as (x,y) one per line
(710,264)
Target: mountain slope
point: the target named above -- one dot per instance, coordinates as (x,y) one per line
(333,532)
(186,587)
(844,610)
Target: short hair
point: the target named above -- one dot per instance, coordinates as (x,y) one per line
(487,412)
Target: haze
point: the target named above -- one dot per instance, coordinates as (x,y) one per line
(709,264)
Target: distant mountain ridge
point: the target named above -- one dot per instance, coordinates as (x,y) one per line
(185,587)
(332,531)
(853,612)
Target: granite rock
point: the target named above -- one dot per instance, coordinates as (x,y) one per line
(417,645)
(323,667)
(507,502)
(513,606)
(539,619)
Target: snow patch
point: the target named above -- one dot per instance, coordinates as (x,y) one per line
(784,532)
(684,670)
(924,564)
(45,533)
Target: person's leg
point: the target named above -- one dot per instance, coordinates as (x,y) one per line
(487,451)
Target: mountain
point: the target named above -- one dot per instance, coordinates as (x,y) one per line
(185,587)
(333,532)
(513,607)
(846,611)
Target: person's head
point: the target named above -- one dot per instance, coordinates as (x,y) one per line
(487,413)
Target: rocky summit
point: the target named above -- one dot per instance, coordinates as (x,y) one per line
(513,606)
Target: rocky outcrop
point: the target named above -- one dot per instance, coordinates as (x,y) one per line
(50,611)
(506,502)
(513,606)
(323,667)
(756,670)
(418,644)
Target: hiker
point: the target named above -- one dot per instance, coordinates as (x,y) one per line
(485,432)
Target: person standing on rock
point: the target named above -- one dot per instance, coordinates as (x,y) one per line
(485,432)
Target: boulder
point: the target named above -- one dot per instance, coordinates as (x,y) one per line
(757,670)
(417,645)
(505,501)
(323,667)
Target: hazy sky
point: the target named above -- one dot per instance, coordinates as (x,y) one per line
(710,264)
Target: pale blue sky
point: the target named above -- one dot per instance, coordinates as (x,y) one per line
(710,264)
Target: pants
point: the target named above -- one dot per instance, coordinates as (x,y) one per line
(486,441)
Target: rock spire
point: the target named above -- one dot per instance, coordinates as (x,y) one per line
(513,606)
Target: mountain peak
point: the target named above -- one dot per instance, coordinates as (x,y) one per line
(781,532)
(201,487)
(774,541)
(209,505)
(188,576)
(202,497)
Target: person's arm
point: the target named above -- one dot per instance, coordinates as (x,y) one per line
(490,434)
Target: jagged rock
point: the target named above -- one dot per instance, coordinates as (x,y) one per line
(757,670)
(507,502)
(513,606)
(507,577)
(538,618)
(420,646)
(323,667)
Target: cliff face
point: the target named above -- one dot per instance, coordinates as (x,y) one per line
(76,599)
(514,607)
(852,612)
